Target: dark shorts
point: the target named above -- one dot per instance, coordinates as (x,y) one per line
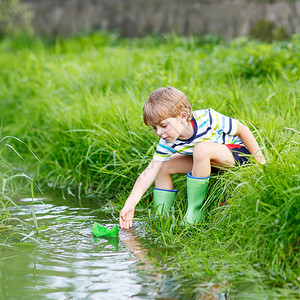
(240,154)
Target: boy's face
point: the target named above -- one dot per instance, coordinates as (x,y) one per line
(170,129)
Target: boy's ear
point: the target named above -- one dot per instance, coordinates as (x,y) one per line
(184,115)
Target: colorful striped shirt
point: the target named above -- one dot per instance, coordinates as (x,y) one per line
(210,126)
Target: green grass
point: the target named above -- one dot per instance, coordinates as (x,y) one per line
(12,181)
(77,104)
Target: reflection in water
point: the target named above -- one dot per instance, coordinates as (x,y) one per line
(70,263)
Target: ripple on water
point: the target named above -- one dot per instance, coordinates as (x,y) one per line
(70,262)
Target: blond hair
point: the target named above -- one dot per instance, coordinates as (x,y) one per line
(164,103)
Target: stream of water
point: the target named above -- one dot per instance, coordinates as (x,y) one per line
(63,260)
(68,262)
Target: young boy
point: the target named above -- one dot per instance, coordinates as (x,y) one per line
(190,142)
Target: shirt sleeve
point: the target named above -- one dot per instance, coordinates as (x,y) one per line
(163,151)
(222,123)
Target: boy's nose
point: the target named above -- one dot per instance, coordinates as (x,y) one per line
(159,131)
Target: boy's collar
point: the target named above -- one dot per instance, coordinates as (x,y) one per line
(194,124)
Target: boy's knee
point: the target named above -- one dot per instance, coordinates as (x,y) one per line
(200,151)
(167,168)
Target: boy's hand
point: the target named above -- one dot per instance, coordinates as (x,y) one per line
(126,216)
(141,185)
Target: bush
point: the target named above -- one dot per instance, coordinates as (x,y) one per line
(15,17)
(266,31)
(280,34)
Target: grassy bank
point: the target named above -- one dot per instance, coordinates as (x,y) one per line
(12,181)
(77,104)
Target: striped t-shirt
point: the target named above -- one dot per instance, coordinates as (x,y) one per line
(209,125)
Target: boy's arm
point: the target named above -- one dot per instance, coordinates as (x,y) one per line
(140,187)
(245,134)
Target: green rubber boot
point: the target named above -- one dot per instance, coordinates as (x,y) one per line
(163,200)
(196,193)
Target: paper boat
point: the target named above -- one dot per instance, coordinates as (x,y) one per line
(102,231)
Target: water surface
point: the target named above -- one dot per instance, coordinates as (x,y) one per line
(68,262)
